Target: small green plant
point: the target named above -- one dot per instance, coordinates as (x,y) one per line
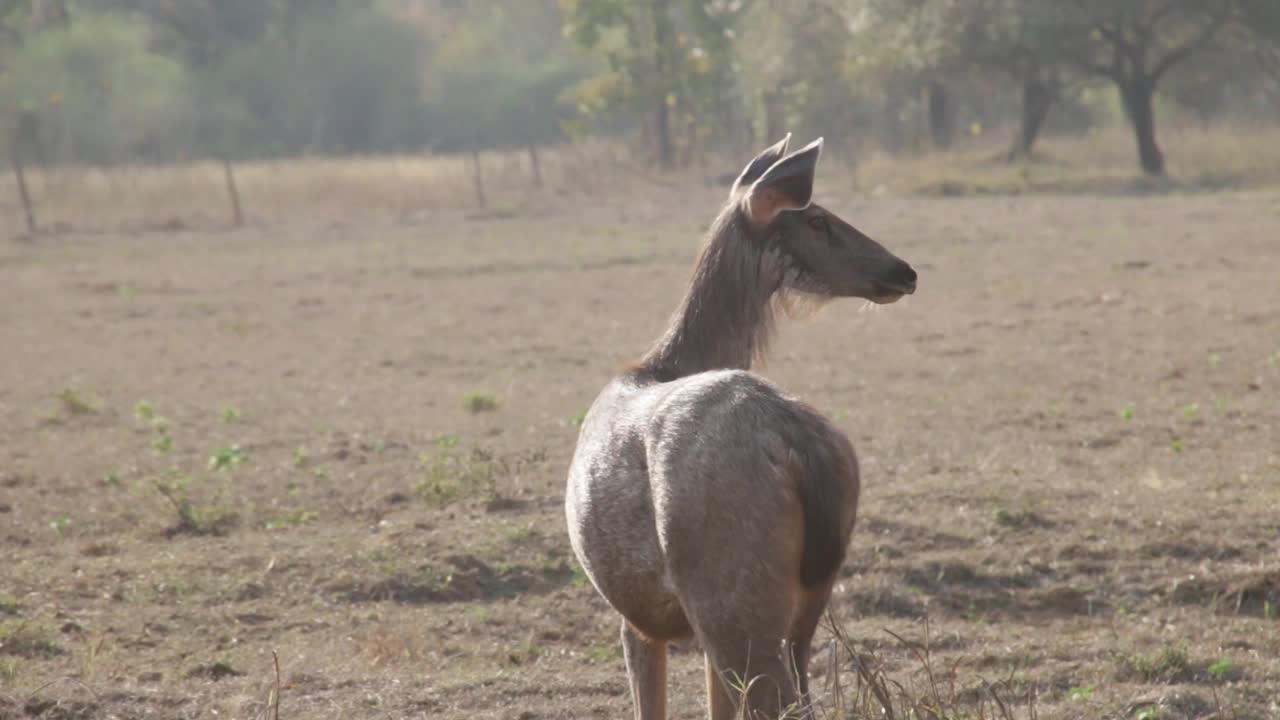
(290,519)
(524,653)
(1214,360)
(1127,411)
(144,411)
(1169,664)
(603,653)
(449,476)
(579,578)
(1223,670)
(230,414)
(1274,359)
(1191,410)
(444,442)
(111,480)
(480,402)
(8,670)
(299,457)
(128,291)
(60,525)
(162,443)
(1080,694)
(227,457)
(1177,445)
(193,518)
(74,403)
(578,419)
(8,604)
(1269,610)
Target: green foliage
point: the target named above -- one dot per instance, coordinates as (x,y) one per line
(103,95)
(341,81)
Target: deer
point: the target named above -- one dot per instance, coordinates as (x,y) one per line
(704,502)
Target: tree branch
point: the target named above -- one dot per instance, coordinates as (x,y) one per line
(1198,43)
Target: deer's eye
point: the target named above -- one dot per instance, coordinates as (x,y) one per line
(819,223)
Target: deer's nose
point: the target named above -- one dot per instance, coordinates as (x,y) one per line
(903,276)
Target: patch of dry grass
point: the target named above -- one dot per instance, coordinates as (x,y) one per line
(412,188)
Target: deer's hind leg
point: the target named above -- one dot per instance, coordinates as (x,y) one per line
(647,669)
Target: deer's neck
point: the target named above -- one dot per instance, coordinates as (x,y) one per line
(726,318)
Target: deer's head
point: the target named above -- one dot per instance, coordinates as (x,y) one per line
(820,253)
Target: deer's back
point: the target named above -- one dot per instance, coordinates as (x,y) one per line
(699,475)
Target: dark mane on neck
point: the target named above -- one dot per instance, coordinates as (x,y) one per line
(726,318)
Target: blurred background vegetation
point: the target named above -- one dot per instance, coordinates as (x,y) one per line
(107,82)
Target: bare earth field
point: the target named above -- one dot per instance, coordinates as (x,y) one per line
(346,443)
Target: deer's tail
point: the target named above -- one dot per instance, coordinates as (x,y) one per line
(828,481)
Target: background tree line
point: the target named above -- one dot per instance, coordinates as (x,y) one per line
(114,81)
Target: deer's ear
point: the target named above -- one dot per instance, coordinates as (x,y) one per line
(786,185)
(760,163)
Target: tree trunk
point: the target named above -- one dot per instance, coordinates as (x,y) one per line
(1037,98)
(662,114)
(941,118)
(20,175)
(1138,95)
(478,178)
(534,165)
(233,192)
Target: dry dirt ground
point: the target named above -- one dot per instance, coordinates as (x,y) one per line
(346,444)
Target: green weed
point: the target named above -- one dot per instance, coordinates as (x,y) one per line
(74,403)
(1169,664)
(208,519)
(290,519)
(451,476)
(1223,670)
(227,457)
(1127,411)
(8,670)
(60,525)
(1177,445)
(144,411)
(299,457)
(480,402)
(1191,410)
(162,443)
(230,414)
(1080,694)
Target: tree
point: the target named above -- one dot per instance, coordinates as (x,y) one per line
(1134,44)
(100,90)
(671,61)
